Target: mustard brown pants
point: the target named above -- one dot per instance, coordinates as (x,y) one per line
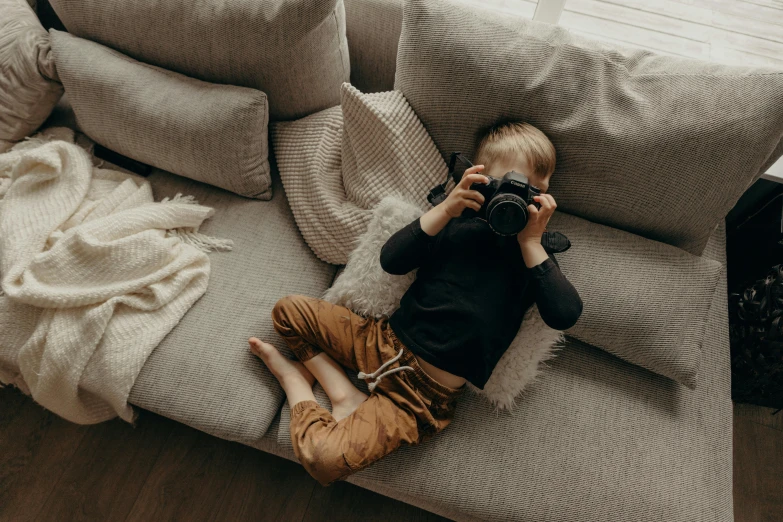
(406,406)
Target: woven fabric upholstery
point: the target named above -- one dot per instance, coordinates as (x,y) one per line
(386,150)
(203,374)
(595,438)
(294,51)
(657,145)
(373,28)
(644,301)
(17,324)
(208,132)
(29,88)
(308,153)
(336,165)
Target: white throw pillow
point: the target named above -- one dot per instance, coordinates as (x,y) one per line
(368,290)
(337,164)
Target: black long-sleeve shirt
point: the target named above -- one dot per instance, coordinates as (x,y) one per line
(470,295)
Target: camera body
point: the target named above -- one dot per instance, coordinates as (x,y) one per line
(505,203)
(505,199)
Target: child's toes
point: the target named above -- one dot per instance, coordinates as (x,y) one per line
(255,345)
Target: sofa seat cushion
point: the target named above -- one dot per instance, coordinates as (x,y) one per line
(202,374)
(596,438)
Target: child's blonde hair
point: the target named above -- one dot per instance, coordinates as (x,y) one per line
(505,139)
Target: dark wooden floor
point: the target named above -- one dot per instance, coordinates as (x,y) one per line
(52,470)
(758,464)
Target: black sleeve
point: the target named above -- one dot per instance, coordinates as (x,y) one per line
(406,249)
(558,301)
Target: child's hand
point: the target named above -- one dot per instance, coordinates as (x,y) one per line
(537,219)
(462,197)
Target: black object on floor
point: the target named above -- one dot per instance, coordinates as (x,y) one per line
(754,243)
(754,235)
(118,159)
(756,335)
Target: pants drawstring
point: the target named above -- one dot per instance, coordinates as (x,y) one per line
(377,375)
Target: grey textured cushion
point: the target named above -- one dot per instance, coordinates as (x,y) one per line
(294,51)
(29,88)
(595,439)
(202,374)
(308,152)
(644,301)
(339,163)
(373,28)
(658,145)
(205,131)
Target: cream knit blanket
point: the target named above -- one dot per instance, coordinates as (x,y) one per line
(112,270)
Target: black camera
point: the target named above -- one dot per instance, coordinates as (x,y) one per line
(505,203)
(505,200)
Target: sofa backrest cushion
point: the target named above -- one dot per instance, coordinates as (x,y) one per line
(373,28)
(660,146)
(29,89)
(644,301)
(212,133)
(294,51)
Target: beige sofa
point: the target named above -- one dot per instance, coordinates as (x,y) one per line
(596,438)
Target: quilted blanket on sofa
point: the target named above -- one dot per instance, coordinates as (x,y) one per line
(108,272)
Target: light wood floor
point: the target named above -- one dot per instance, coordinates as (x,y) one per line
(52,470)
(737,32)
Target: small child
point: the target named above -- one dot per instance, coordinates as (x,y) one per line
(454,323)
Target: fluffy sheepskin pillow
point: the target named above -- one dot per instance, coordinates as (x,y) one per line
(367,290)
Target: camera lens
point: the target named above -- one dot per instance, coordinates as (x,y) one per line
(507,215)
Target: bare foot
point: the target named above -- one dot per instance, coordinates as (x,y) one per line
(344,407)
(288,372)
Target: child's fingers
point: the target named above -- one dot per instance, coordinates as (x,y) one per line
(469,203)
(474,169)
(547,203)
(474,195)
(469,179)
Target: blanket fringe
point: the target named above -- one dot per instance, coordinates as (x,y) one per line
(46,136)
(179,198)
(190,236)
(201,241)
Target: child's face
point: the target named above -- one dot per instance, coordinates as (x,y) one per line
(499,167)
